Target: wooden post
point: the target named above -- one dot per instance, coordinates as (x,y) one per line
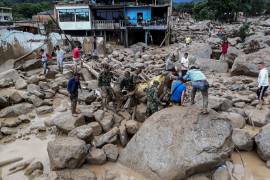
(126,38)
(146,37)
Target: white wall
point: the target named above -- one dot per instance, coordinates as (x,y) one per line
(83,25)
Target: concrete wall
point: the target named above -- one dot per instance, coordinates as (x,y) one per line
(131,13)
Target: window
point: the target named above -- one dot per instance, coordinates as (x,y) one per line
(6,18)
(66,15)
(82,15)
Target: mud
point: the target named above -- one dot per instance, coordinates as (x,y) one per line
(253,169)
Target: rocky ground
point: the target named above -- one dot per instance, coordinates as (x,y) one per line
(175,143)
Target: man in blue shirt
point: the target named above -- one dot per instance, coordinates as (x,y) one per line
(178,91)
(199,83)
(72,87)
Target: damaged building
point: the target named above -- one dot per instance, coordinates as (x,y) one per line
(124,21)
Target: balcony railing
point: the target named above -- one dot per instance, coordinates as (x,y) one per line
(122,24)
(107,24)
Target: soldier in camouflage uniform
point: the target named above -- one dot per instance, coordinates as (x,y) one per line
(104,83)
(153,100)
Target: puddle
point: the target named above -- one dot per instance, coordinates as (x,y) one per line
(254,169)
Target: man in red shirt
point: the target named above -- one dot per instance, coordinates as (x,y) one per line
(224,48)
(77,57)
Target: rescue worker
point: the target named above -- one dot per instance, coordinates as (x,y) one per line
(199,83)
(153,101)
(127,87)
(60,55)
(104,83)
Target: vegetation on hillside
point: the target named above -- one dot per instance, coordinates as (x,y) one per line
(225,10)
(25,9)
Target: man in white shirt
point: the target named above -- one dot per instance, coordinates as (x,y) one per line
(184,64)
(60,55)
(44,61)
(262,83)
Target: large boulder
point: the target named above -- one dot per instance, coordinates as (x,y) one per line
(176,143)
(72,174)
(257,117)
(3,102)
(242,139)
(247,64)
(16,110)
(263,143)
(66,122)
(67,152)
(31,64)
(212,65)
(200,50)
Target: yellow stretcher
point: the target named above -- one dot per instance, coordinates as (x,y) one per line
(142,86)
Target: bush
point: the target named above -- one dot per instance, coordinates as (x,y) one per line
(244,30)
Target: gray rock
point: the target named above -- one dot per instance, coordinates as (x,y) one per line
(106,138)
(93,84)
(219,104)
(247,64)
(20,84)
(84,132)
(123,136)
(243,140)
(140,114)
(31,64)
(34,79)
(16,97)
(237,120)
(66,122)
(97,129)
(99,115)
(107,122)
(67,152)
(257,117)
(36,101)
(4,83)
(111,152)
(184,140)
(44,110)
(96,156)
(263,143)
(212,65)
(198,177)
(3,102)
(16,110)
(24,118)
(11,122)
(8,131)
(132,126)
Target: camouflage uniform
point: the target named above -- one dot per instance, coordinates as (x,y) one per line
(153,101)
(104,82)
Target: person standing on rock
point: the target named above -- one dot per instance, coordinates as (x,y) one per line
(104,83)
(262,83)
(184,64)
(44,61)
(153,101)
(199,83)
(77,57)
(224,48)
(60,55)
(73,86)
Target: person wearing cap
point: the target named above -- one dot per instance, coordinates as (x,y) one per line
(73,86)
(178,91)
(262,83)
(199,83)
(104,83)
(44,61)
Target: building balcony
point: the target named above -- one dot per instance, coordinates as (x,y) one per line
(107,25)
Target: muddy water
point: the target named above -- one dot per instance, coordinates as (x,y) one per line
(254,168)
(32,148)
